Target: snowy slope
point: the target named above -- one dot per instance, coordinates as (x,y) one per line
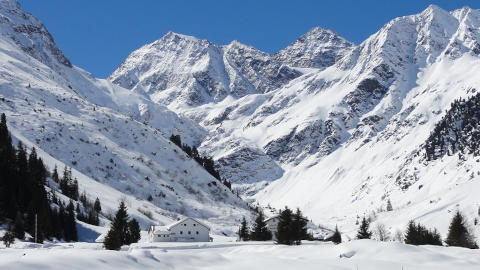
(345,135)
(113,138)
(362,254)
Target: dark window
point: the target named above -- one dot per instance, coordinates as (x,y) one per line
(185,224)
(197,232)
(181,232)
(194,224)
(189,232)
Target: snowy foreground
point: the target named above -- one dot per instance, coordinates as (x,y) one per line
(360,254)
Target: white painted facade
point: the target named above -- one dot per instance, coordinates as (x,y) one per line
(272,224)
(185,230)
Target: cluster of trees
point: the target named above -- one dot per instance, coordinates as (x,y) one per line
(458,131)
(122,231)
(23,197)
(91,210)
(291,228)
(206,162)
(259,232)
(67,185)
(417,234)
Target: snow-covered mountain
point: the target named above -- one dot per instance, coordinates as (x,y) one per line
(116,140)
(341,128)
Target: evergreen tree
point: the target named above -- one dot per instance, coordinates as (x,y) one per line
(8,238)
(336,237)
(19,228)
(260,230)
(55,176)
(243,233)
(363,230)
(458,234)
(117,234)
(417,234)
(284,233)
(70,224)
(97,206)
(299,227)
(133,233)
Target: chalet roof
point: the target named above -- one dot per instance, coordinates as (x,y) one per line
(183,220)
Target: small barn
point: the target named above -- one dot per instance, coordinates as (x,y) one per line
(184,230)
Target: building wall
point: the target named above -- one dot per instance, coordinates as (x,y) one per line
(272,226)
(190,230)
(159,237)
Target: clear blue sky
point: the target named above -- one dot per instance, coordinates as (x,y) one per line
(98,35)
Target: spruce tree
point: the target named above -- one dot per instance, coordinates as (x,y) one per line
(363,230)
(133,233)
(458,234)
(336,237)
(299,227)
(117,235)
(97,206)
(8,238)
(260,230)
(243,233)
(284,233)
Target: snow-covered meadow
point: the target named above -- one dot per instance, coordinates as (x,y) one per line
(359,254)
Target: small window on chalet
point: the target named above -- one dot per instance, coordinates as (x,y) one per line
(194,224)
(197,232)
(181,232)
(189,232)
(185,224)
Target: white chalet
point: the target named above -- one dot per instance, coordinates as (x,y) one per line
(185,230)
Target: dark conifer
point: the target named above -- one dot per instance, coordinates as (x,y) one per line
(133,233)
(243,233)
(363,230)
(117,235)
(97,206)
(336,237)
(284,233)
(458,234)
(299,227)
(260,230)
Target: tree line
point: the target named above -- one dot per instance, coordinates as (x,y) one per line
(291,228)
(206,162)
(25,199)
(457,131)
(417,234)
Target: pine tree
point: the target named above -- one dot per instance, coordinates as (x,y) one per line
(260,230)
(133,233)
(417,234)
(8,238)
(299,227)
(284,233)
(458,234)
(70,224)
(97,206)
(243,233)
(55,176)
(336,237)
(363,230)
(117,234)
